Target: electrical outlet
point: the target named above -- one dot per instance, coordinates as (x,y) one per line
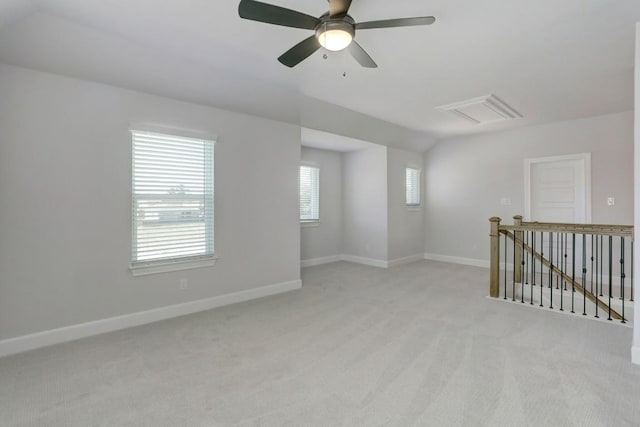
(611,201)
(505,201)
(184,284)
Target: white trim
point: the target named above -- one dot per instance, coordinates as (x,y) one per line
(82,330)
(366,261)
(406,260)
(361,260)
(319,261)
(586,157)
(176,131)
(176,265)
(635,355)
(310,223)
(457,260)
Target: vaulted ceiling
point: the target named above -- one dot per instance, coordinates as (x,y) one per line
(550,60)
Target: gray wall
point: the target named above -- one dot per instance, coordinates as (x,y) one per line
(65,184)
(325,239)
(365,203)
(466,177)
(406,225)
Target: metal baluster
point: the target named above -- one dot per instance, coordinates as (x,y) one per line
(541,264)
(601,260)
(513,281)
(524,256)
(597,257)
(523,269)
(551,270)
(610,273)
(622,276)
(558,262)
(584,274)
(621,266)
(533,265)
(566,244)
(592,264)
(505,265)
(573,272)
(561,274)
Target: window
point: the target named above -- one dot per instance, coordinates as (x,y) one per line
(172,200)
(309,194)
(413,187)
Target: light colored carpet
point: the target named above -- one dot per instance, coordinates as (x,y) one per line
(418,344)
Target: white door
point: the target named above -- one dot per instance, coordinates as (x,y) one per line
(558,189)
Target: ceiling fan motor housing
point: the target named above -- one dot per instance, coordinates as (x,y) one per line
(344,23)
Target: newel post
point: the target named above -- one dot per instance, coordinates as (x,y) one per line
(494,262)
(519,239)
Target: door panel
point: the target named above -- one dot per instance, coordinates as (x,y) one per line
(558,191)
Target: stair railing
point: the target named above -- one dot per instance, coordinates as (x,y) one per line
(582,266)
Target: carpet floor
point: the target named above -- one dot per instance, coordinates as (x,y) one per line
(418,344)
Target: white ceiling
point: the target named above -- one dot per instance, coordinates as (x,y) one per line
(550,60)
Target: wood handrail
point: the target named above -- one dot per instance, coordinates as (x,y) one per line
(576,285)
(552,227)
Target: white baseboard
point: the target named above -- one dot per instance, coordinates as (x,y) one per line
(358,260)
(405,260)
(635,355)
(366,261)
(457,260)
(319,261)
(74,332)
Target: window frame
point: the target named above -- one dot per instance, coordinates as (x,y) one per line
(175,263)
(418,205)
(312,222)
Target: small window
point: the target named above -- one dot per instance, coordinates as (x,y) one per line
(309,194)
(172,199)
(413,187)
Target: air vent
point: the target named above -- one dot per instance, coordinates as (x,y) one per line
(482,110)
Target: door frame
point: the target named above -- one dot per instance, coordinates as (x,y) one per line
(528,164)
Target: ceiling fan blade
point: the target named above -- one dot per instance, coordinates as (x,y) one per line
(401,22)
(361,55)
(339,8)
(263,12)
(300,52)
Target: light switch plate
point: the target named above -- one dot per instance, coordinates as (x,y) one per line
(611,201)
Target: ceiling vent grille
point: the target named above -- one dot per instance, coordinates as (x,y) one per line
(482,110)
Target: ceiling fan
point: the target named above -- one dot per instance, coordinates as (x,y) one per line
(334,30)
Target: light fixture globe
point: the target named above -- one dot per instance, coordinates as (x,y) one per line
(335,40)
(336,34)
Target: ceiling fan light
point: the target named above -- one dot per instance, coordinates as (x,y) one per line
(335,39)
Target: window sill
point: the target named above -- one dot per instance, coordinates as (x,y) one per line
(307,224)
(414,208)
(169,266)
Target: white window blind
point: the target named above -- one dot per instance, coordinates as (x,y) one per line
(172,198)
(309,193)
(413,187)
